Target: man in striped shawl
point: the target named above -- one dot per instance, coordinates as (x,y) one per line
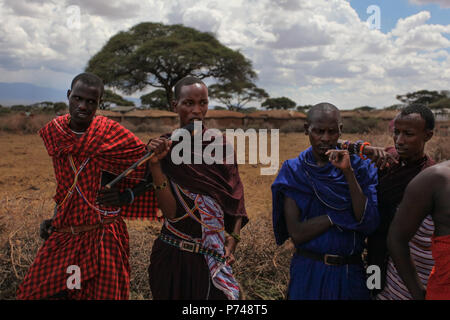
(192,257)
(426,194)
(413,127)
(86,255)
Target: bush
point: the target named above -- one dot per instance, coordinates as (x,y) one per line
(292,127)
(4,110)
(20,123)
(363,125)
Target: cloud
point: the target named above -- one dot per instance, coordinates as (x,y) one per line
(203,19)
(111,9)
(300,35)
(442,3)
(411,22)
(413,34)
(310,51)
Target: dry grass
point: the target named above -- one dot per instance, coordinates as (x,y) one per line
(27,186)
(20,123)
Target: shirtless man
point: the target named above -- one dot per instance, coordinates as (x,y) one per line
(427,193)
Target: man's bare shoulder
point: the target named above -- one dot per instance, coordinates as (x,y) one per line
(438,173)
(430,180)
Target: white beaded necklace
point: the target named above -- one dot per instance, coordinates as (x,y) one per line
(76,132)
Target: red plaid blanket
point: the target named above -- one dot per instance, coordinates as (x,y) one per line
(102,254)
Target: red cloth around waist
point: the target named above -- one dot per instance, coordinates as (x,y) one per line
(438,287)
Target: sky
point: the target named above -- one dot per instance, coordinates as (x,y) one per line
(349,53)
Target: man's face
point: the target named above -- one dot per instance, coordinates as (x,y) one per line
(192,104)
(324,131)
(410,136)
(83,103)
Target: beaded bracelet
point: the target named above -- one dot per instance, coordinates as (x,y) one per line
(161,187)
(132,195)
(361,149)
(345,145)
(235,236)
(356,147)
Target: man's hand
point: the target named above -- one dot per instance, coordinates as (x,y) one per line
(340,159)
(45,229)
(379,157)
(230,246)
(113,198)
(160,147)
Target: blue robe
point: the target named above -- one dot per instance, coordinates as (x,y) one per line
(324,191)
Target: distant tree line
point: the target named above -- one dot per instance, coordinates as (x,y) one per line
(46,107)
(157,99)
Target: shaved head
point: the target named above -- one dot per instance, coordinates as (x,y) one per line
(321,108)
(186,81)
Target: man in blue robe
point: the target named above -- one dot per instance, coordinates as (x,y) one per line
(326,202)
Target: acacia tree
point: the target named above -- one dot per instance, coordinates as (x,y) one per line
(156,99)
(111,97)
(158,55)
(279,103)
(422,96)
(235,95)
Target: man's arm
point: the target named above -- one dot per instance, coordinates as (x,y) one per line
(45,229)
(166,200)
(113,198)
(379,156)
(416,204)
(301,232)
(341,159)
(232,240)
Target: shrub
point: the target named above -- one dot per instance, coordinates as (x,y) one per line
(363,125)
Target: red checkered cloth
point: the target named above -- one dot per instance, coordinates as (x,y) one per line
(102,254)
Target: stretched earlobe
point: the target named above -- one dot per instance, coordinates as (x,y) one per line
(174,106)
(429,135)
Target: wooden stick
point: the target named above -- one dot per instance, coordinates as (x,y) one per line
(149,155)
(142,160)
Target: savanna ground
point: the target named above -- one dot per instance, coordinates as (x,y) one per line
(27,186)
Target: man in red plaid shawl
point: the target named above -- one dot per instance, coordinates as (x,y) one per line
(86,255)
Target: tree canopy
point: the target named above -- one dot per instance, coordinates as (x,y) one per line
(279,103)
(422,96)
(60,107)
(235,95)
(304,108)
(158,55)
(364,108)
(155,100)
(110,97)
(440,104)
(394,107)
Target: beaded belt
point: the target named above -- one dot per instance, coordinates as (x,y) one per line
(191,247)
(87,227)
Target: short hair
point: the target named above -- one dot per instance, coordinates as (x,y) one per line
(186,81)
(424,112)
(89,79)
(322,107)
